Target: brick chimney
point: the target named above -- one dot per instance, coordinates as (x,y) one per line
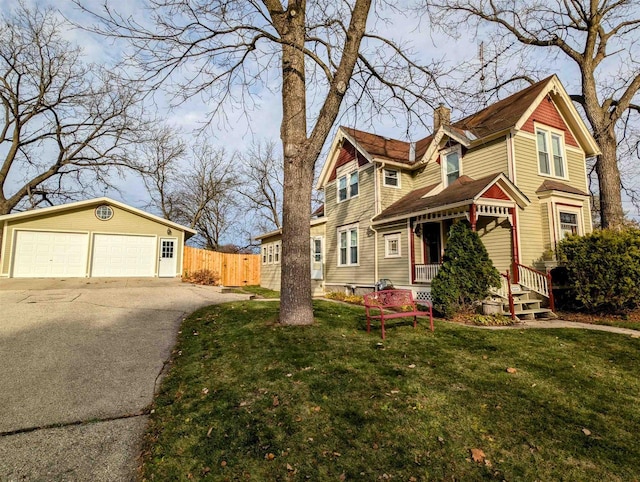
(441,117)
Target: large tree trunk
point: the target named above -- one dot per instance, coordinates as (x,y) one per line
(296,306)
(611,213)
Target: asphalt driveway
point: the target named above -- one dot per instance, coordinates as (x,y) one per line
(79,363)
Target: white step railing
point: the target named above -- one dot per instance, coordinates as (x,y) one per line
(503,290)
(534,280)
(424,273)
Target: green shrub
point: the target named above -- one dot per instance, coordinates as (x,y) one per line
(466,275)
(603,269)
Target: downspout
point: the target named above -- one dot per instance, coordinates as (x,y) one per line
(376,211)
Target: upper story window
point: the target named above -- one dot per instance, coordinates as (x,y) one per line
(551,160)
(451,164)
(348,186)
(348,246)
(391,178)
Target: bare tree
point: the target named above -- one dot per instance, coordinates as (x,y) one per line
(262,184)
(599,37)
(320,48)
(196,188)
(64,124)
(159,164)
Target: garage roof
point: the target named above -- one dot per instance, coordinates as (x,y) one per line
(96,201)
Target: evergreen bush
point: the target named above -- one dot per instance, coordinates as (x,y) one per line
(603,269)
(466,275)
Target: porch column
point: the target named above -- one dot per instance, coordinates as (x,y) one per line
(514,244)
(412,253)
(473,218)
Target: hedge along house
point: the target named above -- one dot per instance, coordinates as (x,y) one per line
(93,238)
(516,171)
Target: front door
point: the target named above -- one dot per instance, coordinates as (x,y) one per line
(167,264)
(431,236)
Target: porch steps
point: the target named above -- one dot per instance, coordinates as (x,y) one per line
(526,306)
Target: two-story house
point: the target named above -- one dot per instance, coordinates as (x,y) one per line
(515,170)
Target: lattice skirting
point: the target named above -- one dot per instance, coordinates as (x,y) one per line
(423,296)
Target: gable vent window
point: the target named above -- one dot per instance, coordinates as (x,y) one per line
(104,212)
(550,153)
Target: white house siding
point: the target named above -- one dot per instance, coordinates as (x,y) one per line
(395,269)
(495,234)
(358,210)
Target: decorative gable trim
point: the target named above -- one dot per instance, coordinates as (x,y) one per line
(495,192)
(547,114)
(328,170)
(567,113)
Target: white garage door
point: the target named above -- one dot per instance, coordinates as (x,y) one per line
(40,254)
(121,255)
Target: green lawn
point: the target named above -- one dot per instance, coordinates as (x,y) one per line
(246,399)
(259,291)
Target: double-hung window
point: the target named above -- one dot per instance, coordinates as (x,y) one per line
(270,254)
(348,246)
(264,255)
(550,153)
(276,253)
(568,224)
(451,164)
(348,186)
(391,178)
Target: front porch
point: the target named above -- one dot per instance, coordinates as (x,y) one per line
(495,223)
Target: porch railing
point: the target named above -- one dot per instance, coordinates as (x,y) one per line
(536,281)
(424,273)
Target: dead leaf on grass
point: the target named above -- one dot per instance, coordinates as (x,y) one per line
(586,431)
(477,455)
(276,402)
(270,456)
(511,370)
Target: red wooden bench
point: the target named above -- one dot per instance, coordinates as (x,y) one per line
(401,303)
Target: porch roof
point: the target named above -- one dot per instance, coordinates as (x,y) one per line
(552,185)
(463,190)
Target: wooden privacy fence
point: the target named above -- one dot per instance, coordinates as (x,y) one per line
(233,269)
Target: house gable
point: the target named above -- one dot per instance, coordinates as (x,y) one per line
(546,113)
(347,153)
(495,192)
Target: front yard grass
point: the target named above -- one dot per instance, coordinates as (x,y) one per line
(259,291)
(247,399)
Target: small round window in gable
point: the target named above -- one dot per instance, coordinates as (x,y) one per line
(104,212)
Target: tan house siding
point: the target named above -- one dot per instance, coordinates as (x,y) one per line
(389,195)
(535,226)
(270,272)
(486,159)
(532,238)
(358,210)
(84,220)
(395,269)
(431,174)
(496,237)
(576,170)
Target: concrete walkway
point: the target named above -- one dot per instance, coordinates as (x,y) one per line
(80,361)
(563,324)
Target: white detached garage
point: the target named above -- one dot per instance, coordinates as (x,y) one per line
(94,238)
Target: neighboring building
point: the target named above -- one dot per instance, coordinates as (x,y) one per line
(94,238)
(515,170)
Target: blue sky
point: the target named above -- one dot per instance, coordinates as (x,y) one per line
(264,122)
